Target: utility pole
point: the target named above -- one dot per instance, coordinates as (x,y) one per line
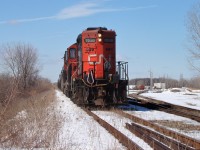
(151,80)
(181,80)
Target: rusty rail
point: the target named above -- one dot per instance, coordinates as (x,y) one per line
(155,139)
(147,138)
(180,137)
(117,134)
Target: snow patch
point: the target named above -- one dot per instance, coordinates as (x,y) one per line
(80,131)
(183,97)
(21,115)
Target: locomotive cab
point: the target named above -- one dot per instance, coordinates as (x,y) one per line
(72,61)
(98,52)
(70,69)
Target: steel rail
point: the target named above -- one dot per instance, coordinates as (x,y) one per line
(117,134)
(180,137)
(155,144)
(155,139)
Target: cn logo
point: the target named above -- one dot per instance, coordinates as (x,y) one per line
(95,55)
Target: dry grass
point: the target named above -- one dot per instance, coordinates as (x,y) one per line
(30,122)
(177,125)
(8,89)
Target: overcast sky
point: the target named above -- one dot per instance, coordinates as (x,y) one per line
(151,34)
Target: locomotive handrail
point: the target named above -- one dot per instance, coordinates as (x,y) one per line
(125,72)
(72,83)
(91,77)
(122,71)
(96,85)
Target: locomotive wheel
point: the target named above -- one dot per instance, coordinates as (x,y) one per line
(62,85)
(73,96)
(85,95)
(64,91)
(77,96)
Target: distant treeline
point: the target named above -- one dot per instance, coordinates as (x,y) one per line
(170,83)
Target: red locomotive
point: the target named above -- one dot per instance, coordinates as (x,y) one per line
(90,74)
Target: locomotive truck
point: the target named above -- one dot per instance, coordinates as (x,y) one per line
(90,73)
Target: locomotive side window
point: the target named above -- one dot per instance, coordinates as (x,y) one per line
(108,40)
(72,53)
(65,56)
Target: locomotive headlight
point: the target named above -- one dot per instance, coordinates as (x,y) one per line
(99,35)
(99,39)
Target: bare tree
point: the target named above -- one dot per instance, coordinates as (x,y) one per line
(194,82)
(193,27)
(21,60)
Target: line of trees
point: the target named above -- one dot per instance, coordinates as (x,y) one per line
(21,74)
(170,83)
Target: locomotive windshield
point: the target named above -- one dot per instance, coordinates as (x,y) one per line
(90,40)
(108,40)
(72,53)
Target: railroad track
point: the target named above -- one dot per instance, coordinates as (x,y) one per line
(189,143)
(156,136)
(117,134)
(166,107)
(156,140)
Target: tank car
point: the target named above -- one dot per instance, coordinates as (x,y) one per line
(90,74)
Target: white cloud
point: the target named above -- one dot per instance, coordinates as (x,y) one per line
(35,19)
(89,8)
(79,10)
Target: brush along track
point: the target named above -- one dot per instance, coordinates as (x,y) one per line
(117,134)
(166,107)
(188,141)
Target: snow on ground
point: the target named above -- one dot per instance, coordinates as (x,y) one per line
(159,115)
(183,98)
(80,131)
(177,96)
(119,122)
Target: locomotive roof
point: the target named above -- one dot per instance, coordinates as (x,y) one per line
(96,28)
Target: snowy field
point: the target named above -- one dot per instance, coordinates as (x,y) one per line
(182,97)
(178,96)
